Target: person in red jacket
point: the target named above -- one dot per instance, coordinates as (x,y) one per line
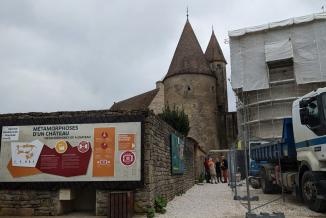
(207,174)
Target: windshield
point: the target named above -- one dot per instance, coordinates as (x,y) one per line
(323,97)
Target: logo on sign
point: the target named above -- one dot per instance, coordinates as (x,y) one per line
(127,158)
(84,146)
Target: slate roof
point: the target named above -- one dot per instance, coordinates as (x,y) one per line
(138,102)
(214,51)
(188,57)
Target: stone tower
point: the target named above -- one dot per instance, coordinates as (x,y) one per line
(190,84)
(217,63)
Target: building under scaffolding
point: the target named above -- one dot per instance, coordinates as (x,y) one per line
(271,66)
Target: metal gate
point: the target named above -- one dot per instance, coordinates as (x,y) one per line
(120,204)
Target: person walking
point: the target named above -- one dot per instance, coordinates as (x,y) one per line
(207,174)
(218,170)
(224,167)
(212,170)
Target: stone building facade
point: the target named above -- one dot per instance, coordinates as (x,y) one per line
(195,82)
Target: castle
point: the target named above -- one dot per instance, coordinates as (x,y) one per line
(196,82)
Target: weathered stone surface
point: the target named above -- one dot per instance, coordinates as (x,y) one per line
(28,202)
(157,178)
(157,170)
(16,211)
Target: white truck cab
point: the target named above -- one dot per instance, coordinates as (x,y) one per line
(309,129)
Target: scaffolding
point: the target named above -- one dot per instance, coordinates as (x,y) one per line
(273,65)
(265,109)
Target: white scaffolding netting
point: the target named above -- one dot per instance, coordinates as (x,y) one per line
(302,39)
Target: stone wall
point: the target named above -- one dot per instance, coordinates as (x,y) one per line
(26,199)
(200,155)
(231,127)
(29,203)
(196,94)
(157,168)
(157,103)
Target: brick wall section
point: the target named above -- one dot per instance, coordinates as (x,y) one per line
(28,203)
(157,168)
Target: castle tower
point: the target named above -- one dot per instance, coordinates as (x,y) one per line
(217,63)
(191,85)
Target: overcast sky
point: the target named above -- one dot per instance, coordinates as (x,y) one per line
(81,55)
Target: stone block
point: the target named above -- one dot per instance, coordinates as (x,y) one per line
(16,211)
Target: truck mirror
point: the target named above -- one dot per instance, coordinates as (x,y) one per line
(304,116)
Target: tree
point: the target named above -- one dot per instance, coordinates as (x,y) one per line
(176,118)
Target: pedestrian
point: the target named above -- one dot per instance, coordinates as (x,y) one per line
(224,167)
(218,170)
(212,170)
(207,174)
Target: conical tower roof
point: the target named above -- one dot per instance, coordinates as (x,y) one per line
(188,57)
(214,51)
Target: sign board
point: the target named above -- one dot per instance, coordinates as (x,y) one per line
(71,152)
(177,154)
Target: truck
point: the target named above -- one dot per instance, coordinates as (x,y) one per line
(297,162)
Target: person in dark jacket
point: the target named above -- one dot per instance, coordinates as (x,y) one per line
(218,170)
(224,168)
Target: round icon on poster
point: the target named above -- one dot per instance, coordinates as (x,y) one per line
(127,158)
(61,147)
(104,145)
(83,146)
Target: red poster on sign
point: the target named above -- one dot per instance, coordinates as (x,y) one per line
(67,162)
(104,150)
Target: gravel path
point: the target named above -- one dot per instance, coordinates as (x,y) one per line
(291,207)
(208,200)
(216,200)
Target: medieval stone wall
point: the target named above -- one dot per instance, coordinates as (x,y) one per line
(157,103)
(26,199)
(196,94)
(29,203)
(158,179)
(231,127)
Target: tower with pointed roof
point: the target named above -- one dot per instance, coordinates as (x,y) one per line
(217,63)
(191,84)
(195,82)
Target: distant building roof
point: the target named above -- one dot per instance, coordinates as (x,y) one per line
(139,102)
(214,51)
(188,57)
(278,24)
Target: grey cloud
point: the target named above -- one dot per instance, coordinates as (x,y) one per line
(105,51)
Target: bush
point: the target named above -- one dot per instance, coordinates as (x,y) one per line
(201,178)
(176,118)
(150,212)
(160,204)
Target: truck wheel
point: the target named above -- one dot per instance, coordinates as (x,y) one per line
(266,185)
(310,191)
(255,184)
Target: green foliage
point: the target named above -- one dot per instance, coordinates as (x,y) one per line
(160,204)
(201,178)
(176,118)
(150,212)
